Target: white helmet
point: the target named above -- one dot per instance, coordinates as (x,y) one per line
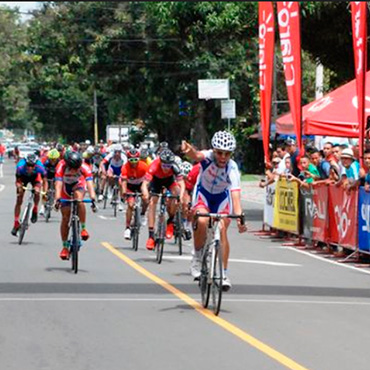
(87,142)
(223,140)
(90,149)
(186,167)
(178,160)
(117,148)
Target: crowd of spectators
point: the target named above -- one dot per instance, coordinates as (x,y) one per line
(335,164)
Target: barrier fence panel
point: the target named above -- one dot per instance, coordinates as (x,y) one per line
(286,209)
(320,223)
(364,220)
(343,223)
(307,211)
(268,214)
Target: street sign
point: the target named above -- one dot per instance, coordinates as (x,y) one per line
(213,89)
(228,110)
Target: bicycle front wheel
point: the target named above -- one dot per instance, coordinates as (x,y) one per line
(135,230)
(216,278)
(75,246)
(204,281)
(179,231)
(24,224)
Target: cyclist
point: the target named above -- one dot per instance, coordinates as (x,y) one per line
(132,177)
(111,166)
(217,191)
(145,157)
(162,173)
(71,180)
(50,163)
(28,170)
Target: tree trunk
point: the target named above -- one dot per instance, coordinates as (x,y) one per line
(199,134)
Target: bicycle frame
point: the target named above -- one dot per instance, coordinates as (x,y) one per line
(26,214)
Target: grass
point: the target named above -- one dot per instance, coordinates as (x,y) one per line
(248,177)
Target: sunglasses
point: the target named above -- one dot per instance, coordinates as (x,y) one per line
(133,160)
(221,153)
(166,165)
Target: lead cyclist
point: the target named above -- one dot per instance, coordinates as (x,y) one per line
(217,191)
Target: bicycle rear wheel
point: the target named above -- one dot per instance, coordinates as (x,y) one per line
(217,276)
(179,230)
(115,201)
(159,245)
(75,245)
(24,224)
(105,195)
(47,212)
(204,284)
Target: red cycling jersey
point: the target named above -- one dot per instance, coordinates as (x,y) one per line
(155,170)
(192,177)
(134,175)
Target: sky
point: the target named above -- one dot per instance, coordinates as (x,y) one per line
(24,6)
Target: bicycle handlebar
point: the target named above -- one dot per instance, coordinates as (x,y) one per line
(221,215)
(164,195)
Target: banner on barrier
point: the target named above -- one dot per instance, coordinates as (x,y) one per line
(364,220)
(268,214)
(343,217)
(306,205)
(286,206)
(320,221)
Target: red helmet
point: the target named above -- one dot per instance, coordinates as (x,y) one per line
(133,153)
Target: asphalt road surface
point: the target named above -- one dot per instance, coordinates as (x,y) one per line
(287,309)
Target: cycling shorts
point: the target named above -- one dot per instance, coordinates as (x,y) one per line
(157,184)
(213,203)
(69,189)
(35,180)
(114,171)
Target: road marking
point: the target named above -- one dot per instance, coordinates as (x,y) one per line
(254,342)
(2,187)
(358,269)
(269,263)
(231,300)
(107,218)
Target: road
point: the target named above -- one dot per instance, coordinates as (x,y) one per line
(287,309)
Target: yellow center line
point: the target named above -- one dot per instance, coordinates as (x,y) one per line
(269,351)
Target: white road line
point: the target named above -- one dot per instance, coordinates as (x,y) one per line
(269,263)
(107,218)
(297,302)
(2,187)
(358,269)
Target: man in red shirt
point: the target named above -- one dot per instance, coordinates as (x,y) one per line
(132,177)
(162,173)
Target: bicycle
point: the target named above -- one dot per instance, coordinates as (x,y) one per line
(115,195)
(179,230)
(211,273)
(24,224)
(50,200)
(74,228)
(136,219)
(161,225)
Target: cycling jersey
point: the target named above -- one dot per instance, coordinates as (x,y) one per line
(155,171)
(50,168)
(192,177)
(214,185)
(215,179)
(29,173)
(115,164)
(72,179)
(134,175)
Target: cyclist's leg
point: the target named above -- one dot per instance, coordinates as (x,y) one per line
(130,207)
(18,206)
(64,228)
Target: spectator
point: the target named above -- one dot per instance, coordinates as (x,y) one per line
(365,172)
(271,175)
(308,173)
(350,171)
(294,153)
(283,154)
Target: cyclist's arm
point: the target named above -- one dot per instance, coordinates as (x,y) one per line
(145,189)
(90,189)
(123,185)
(191,152)
(182,189)
(58,189)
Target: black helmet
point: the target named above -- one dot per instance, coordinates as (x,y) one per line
(38,152)
(163,145)
(31,160)
(73,160)
(167,156)
(59,147)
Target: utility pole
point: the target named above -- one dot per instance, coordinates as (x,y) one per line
(95,118)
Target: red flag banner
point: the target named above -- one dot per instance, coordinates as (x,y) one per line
(359,35)
(266,33)
(290,41)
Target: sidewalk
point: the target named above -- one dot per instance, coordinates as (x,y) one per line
(251,192)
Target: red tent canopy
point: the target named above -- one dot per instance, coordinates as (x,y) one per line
(335,114)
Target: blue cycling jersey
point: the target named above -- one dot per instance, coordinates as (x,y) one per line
(21,169)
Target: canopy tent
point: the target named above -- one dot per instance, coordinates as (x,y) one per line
(335,114)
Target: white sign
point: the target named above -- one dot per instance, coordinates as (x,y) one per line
(228,109)
(213,89)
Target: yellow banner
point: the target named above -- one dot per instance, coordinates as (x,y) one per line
(286,210)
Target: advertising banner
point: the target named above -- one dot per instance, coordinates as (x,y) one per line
(364,220)
(307,211)
(320,221)
(359,33)
(343,217)
(286,206)
(266,32)
(268,214)
(290,41)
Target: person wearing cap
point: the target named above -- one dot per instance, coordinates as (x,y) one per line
(271,175)
(350,171)
(291,147)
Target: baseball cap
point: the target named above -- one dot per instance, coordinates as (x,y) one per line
(347,153)
(290,142)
